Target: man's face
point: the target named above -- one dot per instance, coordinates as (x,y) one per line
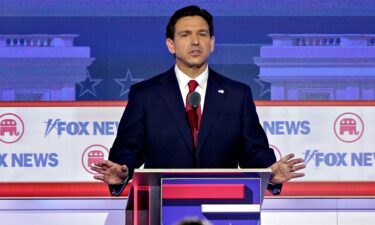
(192,43)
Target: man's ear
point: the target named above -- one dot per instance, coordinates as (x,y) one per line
(212,43)
(170,45)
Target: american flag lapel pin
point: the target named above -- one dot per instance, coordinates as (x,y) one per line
(221,91)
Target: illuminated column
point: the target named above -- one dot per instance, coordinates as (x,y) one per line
(319,66)
(41,67)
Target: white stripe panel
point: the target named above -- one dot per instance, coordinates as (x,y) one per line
(230,208)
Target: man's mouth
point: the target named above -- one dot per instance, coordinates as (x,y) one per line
(195,52)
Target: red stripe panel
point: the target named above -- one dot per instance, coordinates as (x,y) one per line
(203,191)
(339,189)
(63,189)
(93,189)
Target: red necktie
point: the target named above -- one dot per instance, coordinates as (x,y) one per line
(190,112)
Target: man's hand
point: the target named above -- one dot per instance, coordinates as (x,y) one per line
(110,172)
(285,169)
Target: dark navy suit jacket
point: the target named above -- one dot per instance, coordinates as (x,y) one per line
(154,129)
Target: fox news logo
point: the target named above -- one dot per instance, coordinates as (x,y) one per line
(29,160)
(339,159)
(80,128)
(277,127)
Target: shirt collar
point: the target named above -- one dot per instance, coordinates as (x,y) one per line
(183,79)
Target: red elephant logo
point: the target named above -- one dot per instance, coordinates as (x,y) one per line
(348,125)
(12,128)
(94,156)
(8,126)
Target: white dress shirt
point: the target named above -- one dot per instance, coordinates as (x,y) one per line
(184,79)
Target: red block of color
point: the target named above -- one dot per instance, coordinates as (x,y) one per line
(203,191)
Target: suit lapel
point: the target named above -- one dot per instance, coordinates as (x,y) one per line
(213,105)
(171,95)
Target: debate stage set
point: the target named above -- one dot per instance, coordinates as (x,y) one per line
(66,68)
(46,175)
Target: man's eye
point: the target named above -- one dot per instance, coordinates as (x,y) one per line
(203,34)
(184,35)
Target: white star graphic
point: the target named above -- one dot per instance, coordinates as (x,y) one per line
(88,85)
(126,82)
(263,89)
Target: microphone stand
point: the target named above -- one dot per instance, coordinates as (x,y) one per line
(194,100)
(195,107)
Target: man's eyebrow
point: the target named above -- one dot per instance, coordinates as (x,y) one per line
(184,31)
(190,31)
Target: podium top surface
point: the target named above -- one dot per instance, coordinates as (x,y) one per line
(152,176)
(262,170)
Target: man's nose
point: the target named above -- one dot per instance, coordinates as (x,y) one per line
(194,40)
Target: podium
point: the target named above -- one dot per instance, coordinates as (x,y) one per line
(221,196)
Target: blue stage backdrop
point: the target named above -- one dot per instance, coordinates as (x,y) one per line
(94,50)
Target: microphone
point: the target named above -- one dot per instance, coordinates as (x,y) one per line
(194,100)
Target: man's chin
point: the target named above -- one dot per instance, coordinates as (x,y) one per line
(197,65)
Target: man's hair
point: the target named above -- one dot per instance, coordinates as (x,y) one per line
(191,10)
(193,221)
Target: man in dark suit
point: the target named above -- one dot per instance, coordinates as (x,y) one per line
(162,130)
